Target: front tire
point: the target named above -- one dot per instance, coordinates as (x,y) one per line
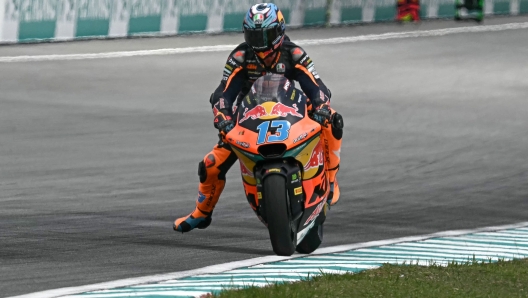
(311,241)
(282,235)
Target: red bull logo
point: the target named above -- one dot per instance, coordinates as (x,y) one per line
(245,171)
(270,110)
(254,113)
(283,110)
(317,158)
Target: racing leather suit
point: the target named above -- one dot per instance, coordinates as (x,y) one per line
(241,70)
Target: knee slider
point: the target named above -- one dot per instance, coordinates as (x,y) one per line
(202,172)
(337,126)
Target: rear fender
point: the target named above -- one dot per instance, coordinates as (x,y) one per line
(290,170)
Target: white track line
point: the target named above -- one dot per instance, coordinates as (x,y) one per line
(251,262)
(221,48)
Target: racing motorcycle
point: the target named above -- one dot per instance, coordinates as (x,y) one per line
(280,151)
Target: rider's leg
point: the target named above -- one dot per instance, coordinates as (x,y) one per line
(332,135)
(211,170)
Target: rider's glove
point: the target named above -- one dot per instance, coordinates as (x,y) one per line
(223,122)
(322,114)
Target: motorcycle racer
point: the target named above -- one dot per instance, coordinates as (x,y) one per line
(266,50)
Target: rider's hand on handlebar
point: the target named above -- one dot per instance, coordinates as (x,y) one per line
(223,122)
(322,114)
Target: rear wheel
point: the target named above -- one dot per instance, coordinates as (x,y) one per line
(311,241)
(282,236)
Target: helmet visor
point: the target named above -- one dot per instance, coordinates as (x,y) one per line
(262,39)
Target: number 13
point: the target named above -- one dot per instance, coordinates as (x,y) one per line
(283,131)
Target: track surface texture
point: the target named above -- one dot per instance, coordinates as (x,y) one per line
(98,157)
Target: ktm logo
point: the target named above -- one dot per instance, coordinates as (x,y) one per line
(251,66)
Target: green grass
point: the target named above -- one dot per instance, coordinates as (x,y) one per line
(500,279)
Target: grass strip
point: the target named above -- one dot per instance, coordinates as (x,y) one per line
(472,279)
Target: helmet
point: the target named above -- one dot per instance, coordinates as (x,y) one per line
(264,29)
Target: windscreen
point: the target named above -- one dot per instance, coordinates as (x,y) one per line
(272,97)
(270,88)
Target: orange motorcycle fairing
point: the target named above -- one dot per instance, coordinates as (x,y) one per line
(244,137)
(313,188)
(282,163)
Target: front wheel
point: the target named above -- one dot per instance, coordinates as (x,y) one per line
(283,237)
(311,241)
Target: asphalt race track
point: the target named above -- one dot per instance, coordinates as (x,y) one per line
(98,157)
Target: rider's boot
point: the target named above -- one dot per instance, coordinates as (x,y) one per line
(332,135)
(211,170)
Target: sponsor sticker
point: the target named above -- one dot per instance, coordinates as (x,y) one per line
(316,212)
(287,86)
(270,110)
(303,232)
(258,19)
(313,71)
(211,195)
(297,191)
(242,144)
(301,137)
(316,159)
(254,113)
(281,67)
(201,197)
(259,195)
(245,171)
(282,110)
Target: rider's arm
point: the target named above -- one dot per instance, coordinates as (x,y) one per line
(308,78)
(232,82)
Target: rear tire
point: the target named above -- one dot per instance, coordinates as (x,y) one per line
(311,241)
(282,236)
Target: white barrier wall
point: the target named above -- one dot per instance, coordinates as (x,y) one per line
(33,20)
